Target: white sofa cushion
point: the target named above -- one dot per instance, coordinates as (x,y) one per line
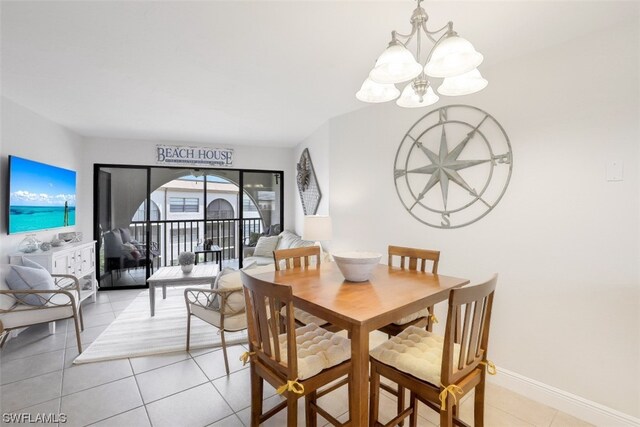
(289,240)
(266,246)
(412,317)
(415,351)
(317,348)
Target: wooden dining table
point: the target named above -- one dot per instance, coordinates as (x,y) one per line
(390,294)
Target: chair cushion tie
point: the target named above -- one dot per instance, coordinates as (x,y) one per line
(491,367)
(246,356)
(292,386)
(451,389)
(433,318)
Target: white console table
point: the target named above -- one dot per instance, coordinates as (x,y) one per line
(77,259)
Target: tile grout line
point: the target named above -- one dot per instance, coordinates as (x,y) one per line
(140,393)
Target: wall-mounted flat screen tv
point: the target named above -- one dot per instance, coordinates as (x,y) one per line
(41,196)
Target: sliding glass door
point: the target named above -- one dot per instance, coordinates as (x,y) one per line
(146,216)
(121,195)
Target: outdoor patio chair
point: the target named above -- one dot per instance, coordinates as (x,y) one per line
(49,305)
(222,308)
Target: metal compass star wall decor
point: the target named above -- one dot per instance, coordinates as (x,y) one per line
(453,166)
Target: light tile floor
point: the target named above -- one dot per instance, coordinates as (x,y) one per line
(180,389)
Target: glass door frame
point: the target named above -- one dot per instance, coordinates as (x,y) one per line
(241,191)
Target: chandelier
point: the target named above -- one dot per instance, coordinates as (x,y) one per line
(451,58)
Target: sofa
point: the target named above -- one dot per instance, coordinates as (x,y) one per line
(286,240)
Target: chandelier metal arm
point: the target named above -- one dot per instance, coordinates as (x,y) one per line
(398,65)
(436,43)
(448,26)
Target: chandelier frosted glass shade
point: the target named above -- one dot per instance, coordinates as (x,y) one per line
(452,57)
(395,65)
(464,84)
(376,92)
(410,99)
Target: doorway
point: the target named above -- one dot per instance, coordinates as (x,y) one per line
(145,216)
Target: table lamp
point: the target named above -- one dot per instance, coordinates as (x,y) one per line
(317,228)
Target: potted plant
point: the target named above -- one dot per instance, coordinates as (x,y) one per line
(186,260)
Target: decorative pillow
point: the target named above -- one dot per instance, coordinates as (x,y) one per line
(266,246)
(130,251)
(26,262)
(253,238)
(215,303)
(125,234)
(22,277)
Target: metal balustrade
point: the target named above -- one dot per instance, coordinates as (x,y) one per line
(171,237)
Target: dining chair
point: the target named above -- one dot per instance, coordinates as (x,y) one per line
(296,257)
(412,259)
(297,362)
(217,307)
(286,259)
(437,370)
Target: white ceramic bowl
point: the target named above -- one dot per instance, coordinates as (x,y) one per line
(357,266)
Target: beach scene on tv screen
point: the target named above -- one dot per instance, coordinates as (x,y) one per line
(40,196)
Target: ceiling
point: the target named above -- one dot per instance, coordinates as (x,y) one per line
(240,73)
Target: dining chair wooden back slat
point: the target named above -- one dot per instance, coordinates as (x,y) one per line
(263,301)
(296,257)
(468,320)
(266,325)
(476,303)
(415,257)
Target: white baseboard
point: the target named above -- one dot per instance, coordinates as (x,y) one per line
(576,406)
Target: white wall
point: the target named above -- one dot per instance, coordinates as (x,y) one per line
(564,240)
(29,135)
(139,152)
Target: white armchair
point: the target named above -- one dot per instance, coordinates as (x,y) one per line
(225,314)
(58,304)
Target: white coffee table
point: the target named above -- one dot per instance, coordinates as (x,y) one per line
(173,276)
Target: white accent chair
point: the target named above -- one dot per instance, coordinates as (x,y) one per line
(58,304)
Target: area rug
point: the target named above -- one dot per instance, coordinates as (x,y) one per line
(135,333)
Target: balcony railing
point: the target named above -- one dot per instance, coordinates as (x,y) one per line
(171,237)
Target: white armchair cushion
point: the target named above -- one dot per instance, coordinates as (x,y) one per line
(415,351)
(412,317)
(317,348)
(23,315)
(231,323)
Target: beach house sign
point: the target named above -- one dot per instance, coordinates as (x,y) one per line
(193,156)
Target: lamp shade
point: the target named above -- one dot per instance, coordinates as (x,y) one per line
(410,99)
(395,65)
(451,57)
(376,92)
(464,84)
(316,228)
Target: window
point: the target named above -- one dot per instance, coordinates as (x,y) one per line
(220,209)
(248,205)
(184,204)
(141,213)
